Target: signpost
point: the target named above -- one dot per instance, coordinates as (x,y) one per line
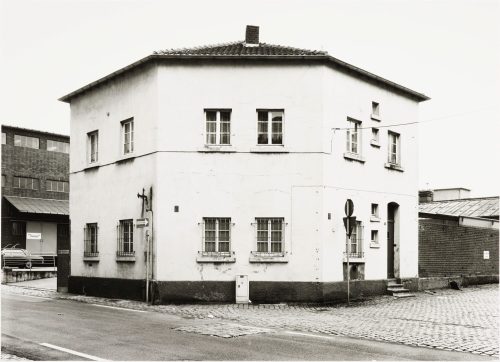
(349,224)
(142,223)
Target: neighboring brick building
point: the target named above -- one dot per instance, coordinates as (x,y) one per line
(458,237)
(35,189)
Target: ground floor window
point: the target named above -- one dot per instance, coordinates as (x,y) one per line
(270,235)
(217,235)
(90,247)
(126,238)
(356,241)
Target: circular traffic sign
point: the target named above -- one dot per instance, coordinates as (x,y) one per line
(349,207)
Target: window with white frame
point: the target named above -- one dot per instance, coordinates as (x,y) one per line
(93,146)
(375,109)
(270,235)
(375,135)
(375,210)
(394,156)
(216,235)
(356,241)
(354,136)
(25,141)
(374,236)
(57,186)
(128,136)
(218,127)
(125,238)
(90,240)
(270,127)
(57,146)
(28,183)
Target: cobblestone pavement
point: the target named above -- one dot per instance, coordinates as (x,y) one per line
(464,321)
(11,357)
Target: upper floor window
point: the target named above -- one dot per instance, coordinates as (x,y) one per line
(25,141)
(126,238)
(356,241)
(57,186)
(57,146)
(394,156)
(218,127)
(92,146)
(90,235)
(375,109)
(354,136)
(4,138)
(270,127)
(25,183)
(375,210)
(217,235)
(375,135)
(270,235)
(128,136)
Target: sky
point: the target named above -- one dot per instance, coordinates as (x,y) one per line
(446,49)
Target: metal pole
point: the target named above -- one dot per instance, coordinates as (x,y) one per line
(348,251)
(147,267)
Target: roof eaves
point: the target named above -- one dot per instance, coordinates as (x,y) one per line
(36,130)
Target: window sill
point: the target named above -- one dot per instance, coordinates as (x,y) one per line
(393,166)
(126,158)
(374,219)
(258,257)
(217,148)
(353,260)
(204,257)
(375,143)
(354,157)
(269,149)
(91,259)
(374,245)
(92,166)
(375,117)
(129,257)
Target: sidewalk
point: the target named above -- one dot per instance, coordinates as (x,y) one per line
(464,321)
(45,283)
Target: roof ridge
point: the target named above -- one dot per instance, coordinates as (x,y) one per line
(322,52)
(198,47)
(465,199)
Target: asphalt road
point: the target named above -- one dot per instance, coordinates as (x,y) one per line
(50,329)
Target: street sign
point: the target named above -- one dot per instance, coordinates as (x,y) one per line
(351,224)
(349,207)
(142,223)
(34,236)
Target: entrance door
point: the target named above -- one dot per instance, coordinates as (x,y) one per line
(392,240)
(63,257)
(390,247)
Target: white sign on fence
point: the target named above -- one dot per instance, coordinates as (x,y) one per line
(34,236)
(486,254)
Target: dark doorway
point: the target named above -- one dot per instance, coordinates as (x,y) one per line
(63,257)
(392,240)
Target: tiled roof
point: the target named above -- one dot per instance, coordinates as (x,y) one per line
(39,206)
(239,48)
(486,207)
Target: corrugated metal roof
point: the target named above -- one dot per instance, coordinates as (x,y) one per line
(473,207)
(39,206)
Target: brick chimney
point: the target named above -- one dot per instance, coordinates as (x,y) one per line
(252,35)
(425,196)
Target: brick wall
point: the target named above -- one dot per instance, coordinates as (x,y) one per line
(447,249)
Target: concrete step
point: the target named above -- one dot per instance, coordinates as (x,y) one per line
(403,295)
(398,288)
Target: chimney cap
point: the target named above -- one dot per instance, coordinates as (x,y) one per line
(252,35)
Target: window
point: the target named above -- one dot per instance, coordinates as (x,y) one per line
(25,183)
(394,149)
(374,236)
(3,180)
(57,186)
(270,235)
(354,137)
(218,127)
(375,109)
(25,141)
(375,210)
(128,136)
(356,241)
(375,137)
(18,228)
(269,127)
(92,146)
(90,247)
(126,238)
(217,235)
(4,138)
(56,146)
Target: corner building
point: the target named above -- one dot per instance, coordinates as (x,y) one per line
(247,153)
